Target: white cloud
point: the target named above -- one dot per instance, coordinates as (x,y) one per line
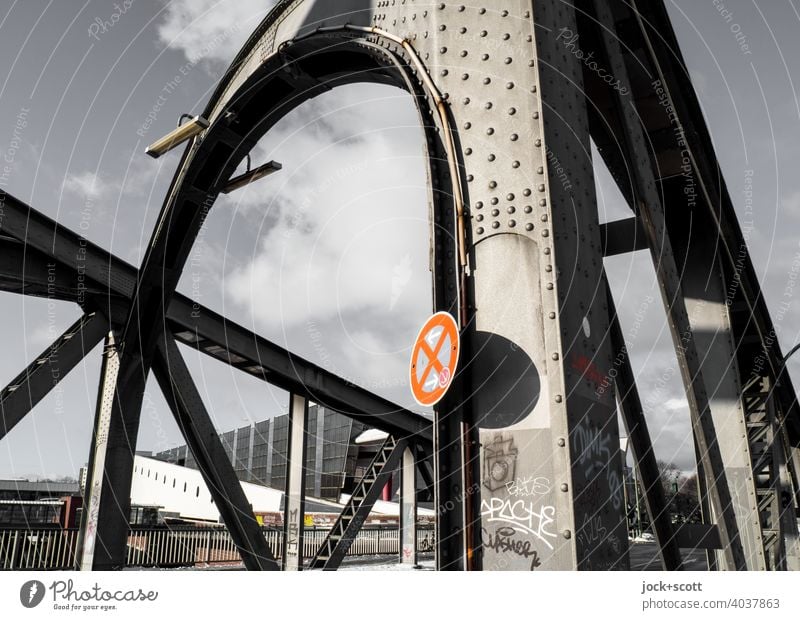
(89,185)
(345,229)
(211,31)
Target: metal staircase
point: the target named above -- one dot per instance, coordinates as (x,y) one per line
(365,494)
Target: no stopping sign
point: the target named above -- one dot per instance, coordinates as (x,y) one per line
(434,358)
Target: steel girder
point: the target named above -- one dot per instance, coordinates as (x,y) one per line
(203,440)
(106,283)
(725,313)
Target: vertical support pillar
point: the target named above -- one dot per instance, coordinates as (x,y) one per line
(408,508)
(294,498)
(87,538)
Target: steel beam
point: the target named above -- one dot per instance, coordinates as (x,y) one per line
(650,211)
(622,236)
(646,467)
(202,439)
(48,369)
(294,497)
(198,326)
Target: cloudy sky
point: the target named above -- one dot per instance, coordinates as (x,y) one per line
(329,256)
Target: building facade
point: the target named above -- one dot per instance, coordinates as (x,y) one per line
(258,453)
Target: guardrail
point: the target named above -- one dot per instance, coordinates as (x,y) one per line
(172,547)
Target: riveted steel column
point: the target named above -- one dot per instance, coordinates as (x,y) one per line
(295,490)
(408,508)
(88,541)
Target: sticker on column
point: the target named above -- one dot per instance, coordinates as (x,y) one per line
(434,358)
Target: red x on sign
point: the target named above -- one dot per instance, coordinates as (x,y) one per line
(434,358)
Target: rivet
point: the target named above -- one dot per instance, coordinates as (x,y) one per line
(529,38)
(541,188)
(484,33)
(567,534)
(504,13)
(510,85)
(488,105)
(494,200)
(480,231)
(508,60)
(495,212)
(558,396)
(542,202)
(463,52)
(468,151)
(445,72)
(478,204)
(441,5)
(465,76)
(527,14)
(470,178)
(515,164)
(495,224)
(561,442)
(545,233)
(465,101)
(442,28)
(533,88)
(510,197)
(528,227)
(512,111)
(511,223)
(461,9)
(489,131)
(540,170)
(548,268)
(487,80)
(506,37)
(491,157)
(514,137)
(546,250)
(530,63)
(544,218)
(528,208)
(479,217)
(537,142)
(510,210)
(482,11)
(442,50)
(463,30)
(484,56)
(535,115)
(467,125)
(492,184)
(552,315)
(549,286)
(564,487)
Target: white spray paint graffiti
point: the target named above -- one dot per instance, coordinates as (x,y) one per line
(522,516)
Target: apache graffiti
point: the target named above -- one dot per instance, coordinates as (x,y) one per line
(521,516)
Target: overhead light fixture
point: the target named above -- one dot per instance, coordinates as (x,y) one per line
(179,135)
(251,175)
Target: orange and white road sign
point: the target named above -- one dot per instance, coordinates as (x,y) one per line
(434,358)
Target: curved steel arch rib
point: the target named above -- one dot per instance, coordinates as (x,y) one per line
(286,78)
